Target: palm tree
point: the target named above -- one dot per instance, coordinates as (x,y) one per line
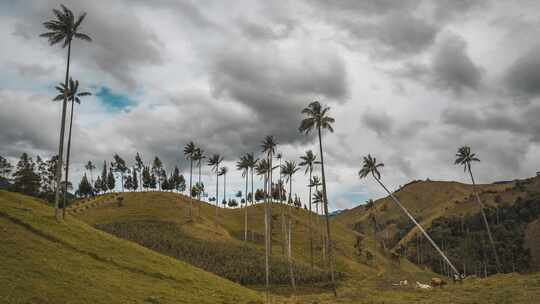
(465,157)
(73,94)
(308,161)
(251,162)
(279,156)
(263,169)
(371,167)
(244,165)
(317,118)
(63,29)
(223,171)
(318,199)
(288,170)
(190,151)
(90,167)
(198,157)
(214,161)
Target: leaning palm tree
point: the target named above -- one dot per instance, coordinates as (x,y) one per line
(243,165)
(371,167)
(288,170)
(318,119)
(308,161)
(74,96)
(63,29)
(190,151)
(263,170)
(214,161)
(465,157)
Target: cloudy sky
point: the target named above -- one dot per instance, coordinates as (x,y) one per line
(407,81)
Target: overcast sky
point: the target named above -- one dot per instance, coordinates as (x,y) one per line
(407,81)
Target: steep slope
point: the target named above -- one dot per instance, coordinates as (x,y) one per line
(70,262)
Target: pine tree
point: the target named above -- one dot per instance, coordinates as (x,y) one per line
(111,182)
(5,167)
(128,184)
(85,188)
(153,181)
(104,179)
(98,185)
(146,177)
(134,180)
(156,170)
(119,166)
(25,178)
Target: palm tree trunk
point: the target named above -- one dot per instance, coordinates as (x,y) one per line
(419,227)
(309,223)
(289,239)
(61,144)
(270,224)
(68,152)
(217,193)
(266,247)
(492,243)
(252,196)
(246,207)
(190,187)
(330,261)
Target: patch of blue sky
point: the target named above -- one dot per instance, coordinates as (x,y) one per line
(113,101)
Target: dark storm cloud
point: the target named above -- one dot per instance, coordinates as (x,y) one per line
(276,88)
(121,45)
(450,68)
(369,7)
(523,76)
(445,10)
(394,36)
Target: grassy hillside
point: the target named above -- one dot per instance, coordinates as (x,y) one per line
(70,262)
(202,240)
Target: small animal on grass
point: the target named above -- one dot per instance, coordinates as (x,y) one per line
(422,286)
(437,282)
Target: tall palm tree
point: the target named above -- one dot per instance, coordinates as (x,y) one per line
(308,161)
(288,170)
(317,118)
(74,96)
(371,167)
(243,165)
(198,157)
(90,167)
(214,161)
(263,169)
(279,156)
(269,147)
(190,151)
(63,29)
(223,171)
(251,163)
(465,157)
(318,199)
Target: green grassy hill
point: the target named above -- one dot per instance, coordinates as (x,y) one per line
(160,221)
(70,262)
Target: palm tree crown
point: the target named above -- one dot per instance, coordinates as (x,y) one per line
(64,27)
(370,166)
(269,145)
(308,160)
(189,150)
(262,167)
(214,162)
(243,164)
(316,118)
(465,157)
(72,92)
(289,169)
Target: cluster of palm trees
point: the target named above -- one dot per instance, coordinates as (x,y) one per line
(464,157)
(63,29)
(316,119)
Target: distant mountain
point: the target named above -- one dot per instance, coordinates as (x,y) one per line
(336,212)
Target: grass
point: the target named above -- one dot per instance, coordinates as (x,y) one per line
(70,262)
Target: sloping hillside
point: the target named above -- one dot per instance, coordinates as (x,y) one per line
(452,208)
(166,214)
(70,262)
